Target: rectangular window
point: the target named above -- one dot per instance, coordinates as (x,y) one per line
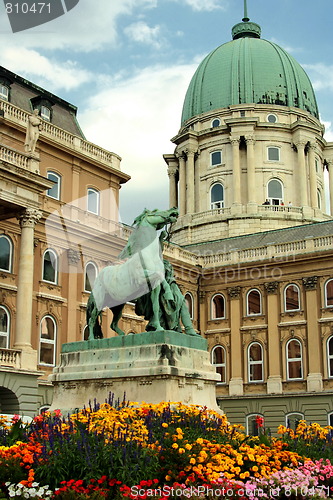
(4,92)
(216,158)
(54,191)
(45,113)
(273,154)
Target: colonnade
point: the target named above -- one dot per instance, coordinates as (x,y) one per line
(181,171)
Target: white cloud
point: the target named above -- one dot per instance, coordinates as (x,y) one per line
(89,26)
(207,5)
(321,75)
(136,119)
(48,73)
(141,32)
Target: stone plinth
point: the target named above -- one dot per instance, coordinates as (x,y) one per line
(150,367)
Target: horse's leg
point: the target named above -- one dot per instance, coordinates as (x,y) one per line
(117,313)
(154,322)
(92,316)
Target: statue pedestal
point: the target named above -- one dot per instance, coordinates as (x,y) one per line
(151,367)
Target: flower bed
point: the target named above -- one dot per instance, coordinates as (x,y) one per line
(127,450)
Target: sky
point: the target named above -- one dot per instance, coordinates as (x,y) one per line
(126,65)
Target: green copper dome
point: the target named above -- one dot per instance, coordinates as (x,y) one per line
(248,70)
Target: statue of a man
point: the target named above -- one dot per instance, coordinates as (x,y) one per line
(34,126)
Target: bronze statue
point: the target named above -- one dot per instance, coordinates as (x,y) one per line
(143,277)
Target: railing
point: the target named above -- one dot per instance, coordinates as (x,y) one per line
(16,114)
(279,208)
(10,358)
(15,157)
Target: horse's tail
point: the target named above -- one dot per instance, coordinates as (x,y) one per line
(92,314)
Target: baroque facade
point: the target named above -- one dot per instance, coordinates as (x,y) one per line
(248,174)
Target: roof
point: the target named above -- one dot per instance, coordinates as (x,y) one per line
(26,95)
(255,240)
(248,70)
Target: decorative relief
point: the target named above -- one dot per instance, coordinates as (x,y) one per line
(172,171)
(310,283)
(73,256)
(271,287)
(29,217)
(234,292)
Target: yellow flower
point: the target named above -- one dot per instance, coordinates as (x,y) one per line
(181,451)
(188,446)
(165,424)
(192,461)
(175,446)
(168,478)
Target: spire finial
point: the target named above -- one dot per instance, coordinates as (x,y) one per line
(245,18)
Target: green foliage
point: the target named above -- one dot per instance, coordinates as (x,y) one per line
(86,455)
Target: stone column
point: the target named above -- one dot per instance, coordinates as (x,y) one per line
(190,182)
(182,185)
(313,177)
(274,380)
(73,257)
(315,377)
(172,171)
(251,183)
(302,177)
(236,170)
(28,219)
(330,174)
(236,380)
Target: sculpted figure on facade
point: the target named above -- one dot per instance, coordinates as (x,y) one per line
(34,126)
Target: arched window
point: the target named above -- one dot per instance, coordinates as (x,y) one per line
(85,332)
(217,196)
(218,357)
(330,419)
(215,158)
(275,192)
(216,123)
(47,345)
(273,153)
(54,191)
(50,266)
(255,362)
(319,198)
(329,293)
(218,307)
(253,302)
(294,360)
(93,201)
(291,298)
(255,424)
(330,356)
(293,419)
(189,303)
(90,276)
(6,252)
(4,327)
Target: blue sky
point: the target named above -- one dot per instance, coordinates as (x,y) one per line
(126,65)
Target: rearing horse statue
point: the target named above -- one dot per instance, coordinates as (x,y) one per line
(141,273)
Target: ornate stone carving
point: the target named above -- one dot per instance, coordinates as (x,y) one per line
(250,139)
(234,141)
(73,256)
(271,286)
(310,283)
(29,217)
(234,292)
(172,171)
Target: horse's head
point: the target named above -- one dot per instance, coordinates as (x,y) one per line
(157,218)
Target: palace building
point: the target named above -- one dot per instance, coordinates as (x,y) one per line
(252,248)
(248,174)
